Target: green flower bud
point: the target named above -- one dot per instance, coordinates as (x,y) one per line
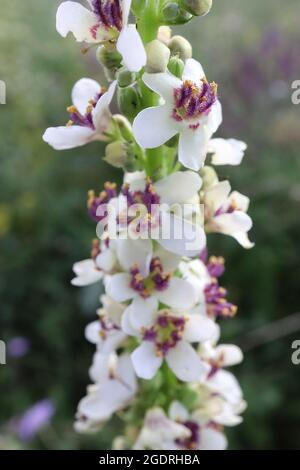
(109,58)
(176,66)
(198,7)
(158,55)
(116,154)
(124,126)
(180,47)
(129,102)
(209,177)
(125,78)
(173,14)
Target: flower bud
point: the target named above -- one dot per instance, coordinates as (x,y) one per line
(109,58)
(158,55)
(209,177)
(173,14)
(124,126)
(129,102)
(181,47)
(125,78)
(197,7)
(116,154)
(176,66)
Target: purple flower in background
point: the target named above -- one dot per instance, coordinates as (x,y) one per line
(33,420)
(18,347)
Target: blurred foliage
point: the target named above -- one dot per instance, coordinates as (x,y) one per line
(252,50)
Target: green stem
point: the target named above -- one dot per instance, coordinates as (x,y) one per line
(148,21)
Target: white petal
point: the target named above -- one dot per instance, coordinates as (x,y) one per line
(143,312)
(193,71)
(215,118)
(230,354)
(227,152)
(92,332)
(163,84)
(106,260)
(243,240)
(185,362)
(73,18)
(64,138)
(131,252)
(86,274)
(154,126)
(178,187)
(118,287)
(212,440)
(83,91)
(126,323)
(126,372)
(236,221)
(181,236)
(240,201)
(132,49)
(216,196)
(145,361)
(178,412)
(169,260)
(193,147)
(199,329)
(101,113)
(126,5)
(180,294)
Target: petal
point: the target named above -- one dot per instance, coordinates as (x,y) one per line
(180,236)
(163,84)
(126,324)
(193,71)
(64,138)
(212,440)
(237,221)
(92,332)
(227,152)
(169,260)
(118,287)
(178,412)
(126,372)
(240,201)
(101,113)
(229,354)
(135,252)
(145,361)
(217,196)
(154,126)
(143,312)
(243,240)
(199,329)
(215,118)
(83,91)
(126,5)
(132,49)
(193,147)
(86,274)
(179,187)
(106,261)
(185,362)
(179,295)
(73,18)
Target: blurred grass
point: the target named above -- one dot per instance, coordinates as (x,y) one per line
(44,228)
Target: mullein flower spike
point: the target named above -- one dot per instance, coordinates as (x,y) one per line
(156,334)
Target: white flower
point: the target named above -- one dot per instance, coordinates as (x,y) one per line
(203,435)
(152,280)
(116,388)
(93,270)
(90,117)
(106,21)
(105,334)
(166,335)
(166,211)
(196,273)
(159,432)
(227,152)
(226,213)
(190,108)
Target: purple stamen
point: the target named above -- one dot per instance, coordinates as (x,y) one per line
(193,101)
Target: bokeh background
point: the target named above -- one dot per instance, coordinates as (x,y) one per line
(252,49)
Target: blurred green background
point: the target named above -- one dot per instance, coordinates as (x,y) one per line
(252,49)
